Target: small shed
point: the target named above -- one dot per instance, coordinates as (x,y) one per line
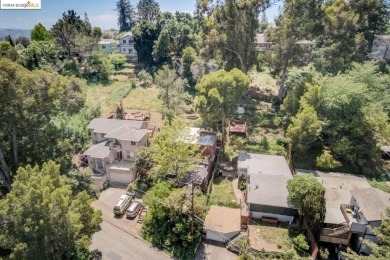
(222,224)
(238,127)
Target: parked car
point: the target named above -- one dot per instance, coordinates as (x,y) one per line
(134,209)
(122,204)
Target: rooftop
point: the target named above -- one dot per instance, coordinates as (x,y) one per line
(105,125)
(264,164)
(196,175)
(260,38)
(223,219)
(338,191)
(201,137)
(108,41)
(126,34)
(127,133)
(100,150)
(269,190)
(372,202)
(380,48)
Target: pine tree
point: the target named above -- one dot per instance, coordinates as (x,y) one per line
(126,17)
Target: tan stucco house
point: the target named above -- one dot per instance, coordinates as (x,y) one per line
(112,154)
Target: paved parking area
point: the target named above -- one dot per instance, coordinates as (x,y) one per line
(209,250)
(116,244)
(106,203)
(119,237)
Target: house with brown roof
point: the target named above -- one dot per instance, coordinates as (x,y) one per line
(222,224)
(112,154)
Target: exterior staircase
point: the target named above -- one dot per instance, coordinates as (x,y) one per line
(340,232)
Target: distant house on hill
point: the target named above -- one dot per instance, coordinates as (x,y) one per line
(381,49)
(263,44)
(126,47)
(108,46)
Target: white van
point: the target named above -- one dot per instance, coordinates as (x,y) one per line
(122,205)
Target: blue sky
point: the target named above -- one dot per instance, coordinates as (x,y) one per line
(101,12)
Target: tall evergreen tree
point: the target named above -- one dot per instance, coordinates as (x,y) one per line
(39,33)
(126,15)
(148,10)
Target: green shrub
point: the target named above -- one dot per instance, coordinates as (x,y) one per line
(326,161)
(301,242)
(241,183)
(264,143)
(133,84)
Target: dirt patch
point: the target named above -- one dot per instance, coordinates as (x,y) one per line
(258,242)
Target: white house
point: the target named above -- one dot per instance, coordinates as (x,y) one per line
(108,46)
(115,142)
(126,47)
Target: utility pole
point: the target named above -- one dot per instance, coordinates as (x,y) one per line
(192,209)
(223,131)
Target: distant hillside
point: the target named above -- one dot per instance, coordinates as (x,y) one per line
(15,33)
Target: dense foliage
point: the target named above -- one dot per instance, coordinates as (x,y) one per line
(346,116)
(168,222)
(308,196)
(44,219)
(218,92)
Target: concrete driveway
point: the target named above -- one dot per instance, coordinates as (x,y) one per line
(119,236)
(116,244)
(106,203)
(209,250)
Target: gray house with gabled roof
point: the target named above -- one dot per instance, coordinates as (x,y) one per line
(266,193)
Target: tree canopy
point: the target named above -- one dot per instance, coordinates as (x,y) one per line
(219,92)
(173,150)
(44,219)
(168,222)
(39,33)
(308,196)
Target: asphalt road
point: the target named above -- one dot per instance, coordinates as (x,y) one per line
(116,244)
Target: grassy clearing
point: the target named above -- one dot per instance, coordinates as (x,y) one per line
(143,99)
(380,185)
(275,239)
(222,194)
(107,96)
(263,80)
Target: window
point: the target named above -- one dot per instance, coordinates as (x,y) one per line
(102,135)
(128,154)
(124,50)
(103,46)
(124,41)
(133,143)
(131,41)
(130,51)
